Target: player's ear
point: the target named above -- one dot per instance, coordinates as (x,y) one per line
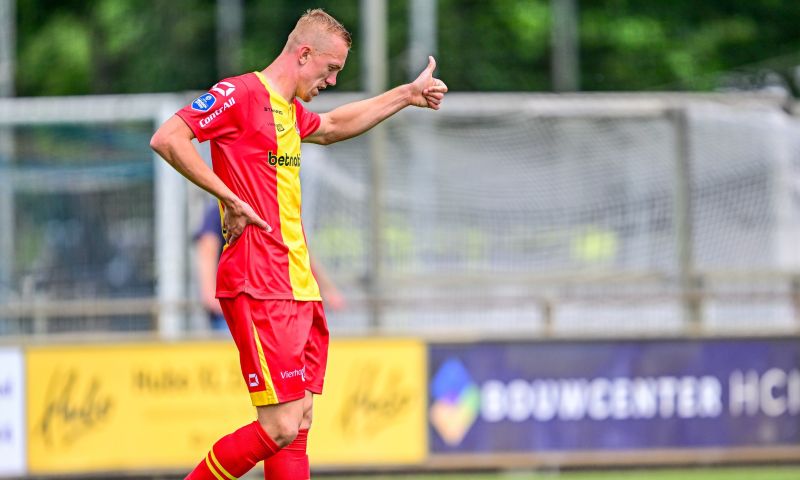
(304,54)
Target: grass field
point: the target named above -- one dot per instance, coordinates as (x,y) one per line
(727,473)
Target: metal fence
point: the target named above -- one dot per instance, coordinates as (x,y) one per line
(502,214)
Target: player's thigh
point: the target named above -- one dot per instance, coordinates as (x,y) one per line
(316,349)
(271,336)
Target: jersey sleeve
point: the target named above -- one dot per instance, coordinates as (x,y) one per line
(307,121)
(220,112)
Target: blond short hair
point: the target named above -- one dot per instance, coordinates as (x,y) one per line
(314,22)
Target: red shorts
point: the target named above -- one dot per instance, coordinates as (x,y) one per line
(283,346)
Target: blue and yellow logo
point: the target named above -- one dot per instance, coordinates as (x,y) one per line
(456,402)
(203,102)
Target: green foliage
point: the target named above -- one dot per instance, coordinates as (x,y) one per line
(121,46)
(494,45)
(58,60)
(681,44)
(115,46)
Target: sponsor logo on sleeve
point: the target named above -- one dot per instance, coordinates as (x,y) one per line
(224,88)
(216,113)
(203,102)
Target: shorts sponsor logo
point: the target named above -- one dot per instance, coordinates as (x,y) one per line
(283,160)
(294,373)
(252,380)
(216,113)
(224,88)
(203,102)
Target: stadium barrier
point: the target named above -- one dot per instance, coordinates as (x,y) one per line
(114,409)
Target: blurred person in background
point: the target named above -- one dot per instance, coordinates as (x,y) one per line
(209,243)
(267,291)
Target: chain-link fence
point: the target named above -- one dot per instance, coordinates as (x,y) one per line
(500,214)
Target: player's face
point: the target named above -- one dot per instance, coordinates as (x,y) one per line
(324,65)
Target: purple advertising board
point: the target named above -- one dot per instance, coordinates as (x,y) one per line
(507,397)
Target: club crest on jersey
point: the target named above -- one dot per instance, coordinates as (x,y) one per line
(203,102)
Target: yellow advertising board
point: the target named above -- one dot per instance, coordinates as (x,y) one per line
(372,411)
(162,406)
(131,406)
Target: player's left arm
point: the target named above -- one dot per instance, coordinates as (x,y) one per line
(356,118)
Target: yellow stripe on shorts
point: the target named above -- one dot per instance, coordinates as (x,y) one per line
(268,396)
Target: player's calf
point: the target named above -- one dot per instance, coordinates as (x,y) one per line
(235,454)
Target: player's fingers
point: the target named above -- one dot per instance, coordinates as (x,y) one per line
(433,102)
(431,64)
(434,95)
(260,222)
(232,235)
(438,86)
(434,90)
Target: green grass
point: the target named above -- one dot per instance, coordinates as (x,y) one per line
(727,473)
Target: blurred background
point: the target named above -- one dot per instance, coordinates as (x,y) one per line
(615,182)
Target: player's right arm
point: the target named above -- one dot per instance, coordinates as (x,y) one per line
(173,142)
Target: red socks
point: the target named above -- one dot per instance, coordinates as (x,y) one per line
(291,463)
(235,454)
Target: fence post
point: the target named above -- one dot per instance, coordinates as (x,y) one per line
(374,64)
(171,237)
(7,48)
(688,281)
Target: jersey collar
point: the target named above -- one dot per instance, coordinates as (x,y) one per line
(270,90)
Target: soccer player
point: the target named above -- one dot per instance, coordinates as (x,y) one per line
(209,243)
(267,291)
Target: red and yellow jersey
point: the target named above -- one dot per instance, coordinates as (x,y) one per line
(255,149)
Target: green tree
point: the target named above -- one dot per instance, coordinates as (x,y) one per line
(684,44)
(121,46)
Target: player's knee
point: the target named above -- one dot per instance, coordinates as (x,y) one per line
(283,430)
(307,417)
